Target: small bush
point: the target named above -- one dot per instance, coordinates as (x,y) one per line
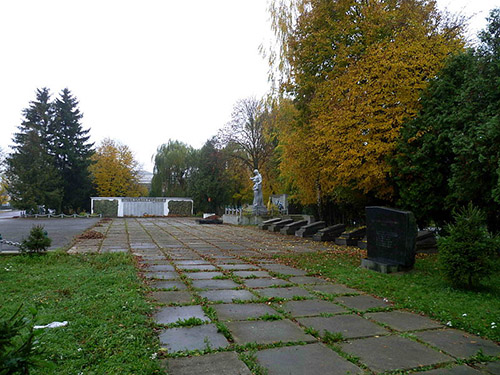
(16,344)
(37,241)
(468,253)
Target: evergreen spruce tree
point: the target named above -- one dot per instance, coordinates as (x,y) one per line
(72,152)
(33,178)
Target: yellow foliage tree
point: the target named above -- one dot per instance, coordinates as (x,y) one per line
(115,171)
(357,116)
(4,196)
(355,70)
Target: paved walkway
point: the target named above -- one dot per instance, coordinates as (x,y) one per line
(222,300)
(61,231)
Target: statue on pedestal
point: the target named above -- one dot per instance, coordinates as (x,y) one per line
(258,200)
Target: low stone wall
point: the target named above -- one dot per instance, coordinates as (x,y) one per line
(142,206)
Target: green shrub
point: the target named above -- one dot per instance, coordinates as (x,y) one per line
(107,208)
(16,343)
(37,241)
(180,208)
(468,254)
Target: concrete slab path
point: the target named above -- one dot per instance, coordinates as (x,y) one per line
(224,306)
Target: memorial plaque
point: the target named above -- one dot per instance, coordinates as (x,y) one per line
(391,237)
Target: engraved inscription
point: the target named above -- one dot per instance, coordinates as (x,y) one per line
(386,239)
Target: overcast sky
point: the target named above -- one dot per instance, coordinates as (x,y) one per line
(143,71)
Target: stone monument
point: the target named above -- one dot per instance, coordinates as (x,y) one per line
(391,236)
(258,200)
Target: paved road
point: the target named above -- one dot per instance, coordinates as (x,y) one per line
(253,313)
(62,231)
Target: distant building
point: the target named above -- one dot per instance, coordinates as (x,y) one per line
(145,178)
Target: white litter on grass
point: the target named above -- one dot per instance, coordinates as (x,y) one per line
(52,325)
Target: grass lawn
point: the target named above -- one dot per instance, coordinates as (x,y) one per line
(102,299)
(421,290)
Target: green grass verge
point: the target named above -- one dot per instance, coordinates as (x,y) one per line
(100,296)
(423,289)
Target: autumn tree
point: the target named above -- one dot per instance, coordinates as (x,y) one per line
(115,171)
(173,164)
(355,71)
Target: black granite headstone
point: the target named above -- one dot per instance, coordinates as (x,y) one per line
(391,236)
(266,224)
(426,240)
(310,229)
(293,227)
(329,233)
(275,227)
(351,238)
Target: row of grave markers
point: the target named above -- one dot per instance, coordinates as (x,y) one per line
(389,236)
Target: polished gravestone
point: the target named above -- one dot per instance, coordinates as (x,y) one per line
(350,238)
(293,227)
(265,224)
(329,233)
(310,229)
(276,227)
(391,236)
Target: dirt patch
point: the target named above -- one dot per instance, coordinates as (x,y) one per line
(90,234)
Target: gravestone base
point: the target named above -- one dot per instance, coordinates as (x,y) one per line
(346,242)
(259,210)
(382,266)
